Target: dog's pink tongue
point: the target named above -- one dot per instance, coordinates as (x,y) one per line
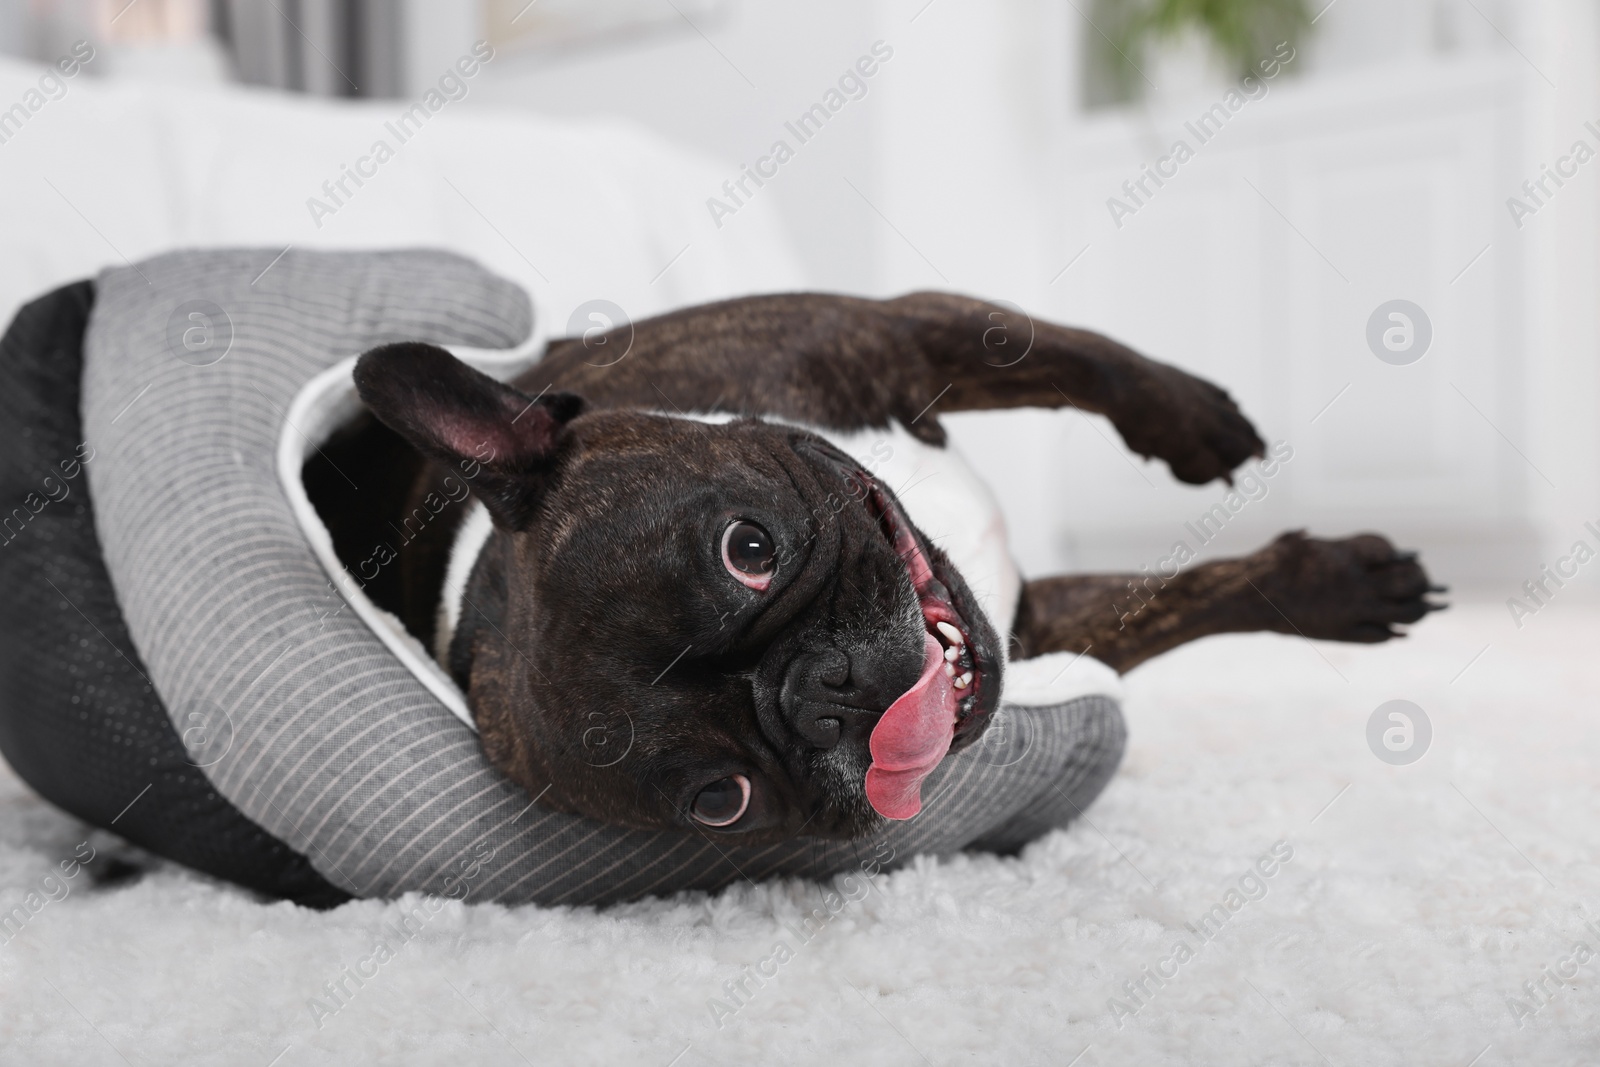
(911,739)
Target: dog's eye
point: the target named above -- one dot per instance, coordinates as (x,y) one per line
(722,802)
(748,554)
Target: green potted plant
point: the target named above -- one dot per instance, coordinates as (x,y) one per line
(1123,33)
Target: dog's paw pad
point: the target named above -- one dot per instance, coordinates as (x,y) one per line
(1356,589)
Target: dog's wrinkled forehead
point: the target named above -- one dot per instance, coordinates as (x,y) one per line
(643,503)
(661,457)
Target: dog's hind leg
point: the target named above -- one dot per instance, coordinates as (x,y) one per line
(1354,589)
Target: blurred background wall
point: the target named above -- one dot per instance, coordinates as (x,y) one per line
(988,152)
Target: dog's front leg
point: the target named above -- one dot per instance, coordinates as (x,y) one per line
(981,356)
(1354,589)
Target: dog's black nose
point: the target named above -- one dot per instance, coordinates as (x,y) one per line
(829,696)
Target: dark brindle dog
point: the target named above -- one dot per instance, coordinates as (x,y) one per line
(707,578)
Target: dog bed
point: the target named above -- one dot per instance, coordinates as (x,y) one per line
(187,664)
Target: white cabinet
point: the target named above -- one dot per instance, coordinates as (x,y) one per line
(1258,265)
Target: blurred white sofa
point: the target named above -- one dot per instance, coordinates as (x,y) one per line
(102,172)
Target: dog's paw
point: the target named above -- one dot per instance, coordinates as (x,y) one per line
(1188,422)
(1355,589)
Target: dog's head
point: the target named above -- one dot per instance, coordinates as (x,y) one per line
(715,626)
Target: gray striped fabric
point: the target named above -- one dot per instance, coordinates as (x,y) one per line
(310,726)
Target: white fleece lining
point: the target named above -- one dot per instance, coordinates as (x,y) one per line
(471,536)
(322,405)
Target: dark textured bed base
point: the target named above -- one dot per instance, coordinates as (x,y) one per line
(79,721)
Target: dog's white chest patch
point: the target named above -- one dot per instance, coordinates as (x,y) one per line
(949,504)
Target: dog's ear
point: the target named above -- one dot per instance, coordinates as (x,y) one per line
(502,441)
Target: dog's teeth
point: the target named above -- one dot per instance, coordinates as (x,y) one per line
(963,681)
(950,632)
(951,653)
(949,670)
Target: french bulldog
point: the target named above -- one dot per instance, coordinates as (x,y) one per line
(751,601)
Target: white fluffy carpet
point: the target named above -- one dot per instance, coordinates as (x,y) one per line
(1413,906)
